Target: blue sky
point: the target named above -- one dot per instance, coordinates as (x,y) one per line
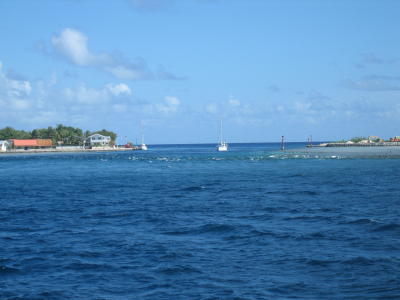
(176,67)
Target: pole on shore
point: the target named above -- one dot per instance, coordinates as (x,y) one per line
(282,143)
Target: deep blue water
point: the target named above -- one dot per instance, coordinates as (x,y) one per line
(186,222)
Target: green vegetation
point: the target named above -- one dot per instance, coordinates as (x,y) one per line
(11,133)
(65,135)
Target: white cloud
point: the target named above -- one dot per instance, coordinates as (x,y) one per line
(280,108)
(371,85)
(92,96)
(303,107)
(86,95)
(120,108)
(119,89)
(14,87)
(20,104)
(14,93)
(73,45)
(212,108)
(172,101)
(170,105)
(19,88)
(232,107)
(234,102)
(124,72)
(45,103)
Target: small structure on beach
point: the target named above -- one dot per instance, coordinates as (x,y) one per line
(5,146)
(365,141)
(96,140)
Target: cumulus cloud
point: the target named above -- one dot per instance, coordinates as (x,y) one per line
(372,85)
(381,77)
(18,88)
(315,95)
(303,107)
(13,87)
(212,108)
(27,103)
(165,75)
(20,104)
(119,89)
(89,95)
(86,95)
(231,107)
(73,46)
(120,108)
(234,102)
(14,93)
(169,105)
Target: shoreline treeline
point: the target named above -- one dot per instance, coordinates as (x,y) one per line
(66,135)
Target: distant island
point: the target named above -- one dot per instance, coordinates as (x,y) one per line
(65,135)
(370,141)
(59,139)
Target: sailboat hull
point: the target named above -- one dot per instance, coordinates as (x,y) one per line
(222,147)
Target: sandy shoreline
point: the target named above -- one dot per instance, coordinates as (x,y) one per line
(36,151)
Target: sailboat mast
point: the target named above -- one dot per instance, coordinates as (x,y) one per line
(141,132)
(220,133)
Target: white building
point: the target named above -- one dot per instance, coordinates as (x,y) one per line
(98,140)
(4,146)
(365,142)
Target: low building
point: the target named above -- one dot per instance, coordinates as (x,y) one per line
(365,142)
(31,143)
(97,140)
(375,139)
(5,146)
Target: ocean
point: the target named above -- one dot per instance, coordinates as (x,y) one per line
(187,222)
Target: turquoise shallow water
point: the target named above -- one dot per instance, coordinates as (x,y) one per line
(186,222)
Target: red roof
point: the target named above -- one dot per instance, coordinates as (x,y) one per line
(44,142)
(25,143)
(32,143)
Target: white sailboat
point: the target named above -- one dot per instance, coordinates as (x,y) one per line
(143,145)
(222,146)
